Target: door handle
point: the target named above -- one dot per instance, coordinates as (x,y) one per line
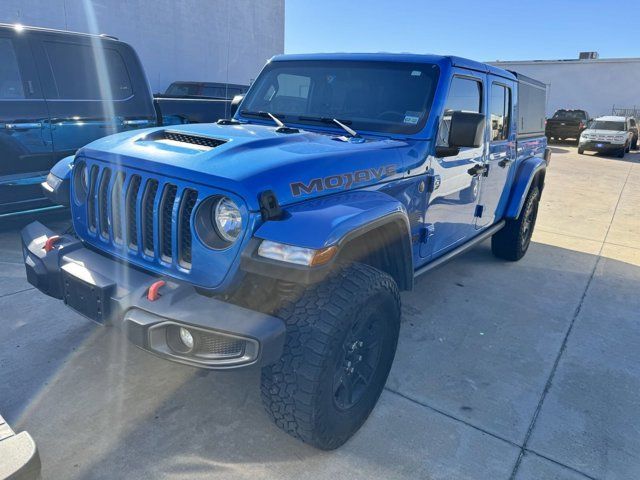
(22,126)
(478,169)
(504,162)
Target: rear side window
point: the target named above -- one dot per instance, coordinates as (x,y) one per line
(10,78)
(499,109)
(83,72)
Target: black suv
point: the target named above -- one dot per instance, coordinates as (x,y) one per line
(566,124)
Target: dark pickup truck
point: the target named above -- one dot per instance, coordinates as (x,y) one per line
(60,91)
(566,124)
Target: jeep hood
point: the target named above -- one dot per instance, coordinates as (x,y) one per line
(250,159)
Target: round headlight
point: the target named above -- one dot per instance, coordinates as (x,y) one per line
(227,219)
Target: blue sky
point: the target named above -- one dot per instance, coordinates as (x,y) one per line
(481,30)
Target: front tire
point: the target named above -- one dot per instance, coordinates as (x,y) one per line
(340,344)
(512,242)
(580,151)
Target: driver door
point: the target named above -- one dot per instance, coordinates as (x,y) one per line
(450,214)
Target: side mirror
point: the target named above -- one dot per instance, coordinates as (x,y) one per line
(466,130)
(235,103)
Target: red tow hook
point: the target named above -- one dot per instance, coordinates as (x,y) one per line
(153,294)
(50,243)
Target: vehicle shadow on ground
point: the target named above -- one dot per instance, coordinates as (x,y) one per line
(631,157)
(112,410)
(558,150)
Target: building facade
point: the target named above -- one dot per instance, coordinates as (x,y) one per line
(197,40)
(596,85)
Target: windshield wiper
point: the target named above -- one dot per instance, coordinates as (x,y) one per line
(282,128)
(342,124)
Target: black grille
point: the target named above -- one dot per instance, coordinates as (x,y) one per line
(193,139)
(189,198)
(219,346)
(121,210)
(131,202)
(116,207)
(103,195)
(148,199)
(166,211)
(91,199)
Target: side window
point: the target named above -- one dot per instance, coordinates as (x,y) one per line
(465,95)
(10,79)
(499,110)
(78,70)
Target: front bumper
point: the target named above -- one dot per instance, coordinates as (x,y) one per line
(112,292)
(596,146)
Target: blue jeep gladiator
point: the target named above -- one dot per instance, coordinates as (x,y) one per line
(282,237)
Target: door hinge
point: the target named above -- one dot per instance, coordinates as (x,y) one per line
(479,210)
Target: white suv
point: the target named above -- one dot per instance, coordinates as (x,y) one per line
(607,134)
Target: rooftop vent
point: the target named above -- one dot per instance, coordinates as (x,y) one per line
(589,56)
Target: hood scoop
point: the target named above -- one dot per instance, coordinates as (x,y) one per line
(183,140)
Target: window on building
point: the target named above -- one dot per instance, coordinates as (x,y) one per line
(10,79)
(79,69)
(499,109)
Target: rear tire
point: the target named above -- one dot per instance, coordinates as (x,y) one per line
(512,242)
(340,344)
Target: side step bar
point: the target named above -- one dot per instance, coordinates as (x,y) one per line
(462,248)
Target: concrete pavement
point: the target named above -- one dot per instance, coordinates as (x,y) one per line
(523,371)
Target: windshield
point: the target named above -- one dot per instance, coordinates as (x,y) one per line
(607,125)
(388,97)
(569,115)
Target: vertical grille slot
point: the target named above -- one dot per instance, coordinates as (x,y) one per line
(148,199)
(131,212)
(187,203)
(103,195)
(91,200)
(166,225)
(116,208)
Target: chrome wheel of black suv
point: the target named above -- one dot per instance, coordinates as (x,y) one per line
(512,242)
(341,341)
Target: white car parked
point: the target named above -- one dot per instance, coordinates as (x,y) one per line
(607,134)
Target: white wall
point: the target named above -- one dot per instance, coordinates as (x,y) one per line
(591,85)
(175,39)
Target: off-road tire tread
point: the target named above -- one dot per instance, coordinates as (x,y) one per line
(505,244)
(290,388)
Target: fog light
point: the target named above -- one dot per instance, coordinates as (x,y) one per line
(186,337)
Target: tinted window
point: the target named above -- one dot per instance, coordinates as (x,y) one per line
(220,92)
(607,125)
(570,115)
(10,79)
(632,122)
(465,95)
(391,97)
(79,69)
(182,89)
(531,108)
(499,109)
